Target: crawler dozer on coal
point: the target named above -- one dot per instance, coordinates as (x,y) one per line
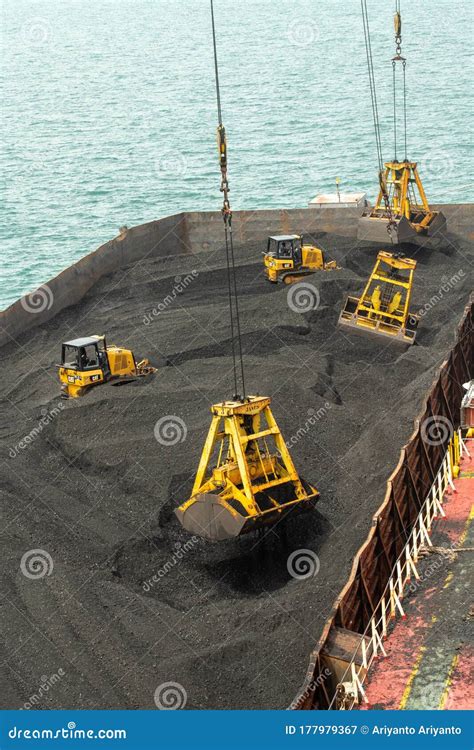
(89,361)
(383,308)
(288,260)
(242,484)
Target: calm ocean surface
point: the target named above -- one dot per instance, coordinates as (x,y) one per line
(108,112)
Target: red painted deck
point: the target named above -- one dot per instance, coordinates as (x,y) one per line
(430,654)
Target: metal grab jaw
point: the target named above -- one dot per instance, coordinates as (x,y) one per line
(384,305)
(246,478)
(402,210)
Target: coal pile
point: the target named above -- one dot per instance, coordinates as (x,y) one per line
(131,602)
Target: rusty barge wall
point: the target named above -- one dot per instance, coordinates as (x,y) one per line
(179,234)
(406,492)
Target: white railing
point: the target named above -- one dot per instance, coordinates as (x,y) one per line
(350,690)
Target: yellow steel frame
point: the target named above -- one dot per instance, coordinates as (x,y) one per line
(240,460)
(384,306)
(396,181)
(399,312)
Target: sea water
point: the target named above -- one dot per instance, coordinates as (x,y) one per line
(109,112)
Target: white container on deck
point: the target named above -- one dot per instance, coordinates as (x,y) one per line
(332,200)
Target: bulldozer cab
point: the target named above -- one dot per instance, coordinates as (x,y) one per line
(286,247)
(84,354)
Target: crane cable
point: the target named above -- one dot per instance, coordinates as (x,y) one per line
(375,112)
(399,58)
(229,242)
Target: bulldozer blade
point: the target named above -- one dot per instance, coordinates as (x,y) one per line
(209,517)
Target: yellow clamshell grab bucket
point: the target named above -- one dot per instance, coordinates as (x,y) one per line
(246,478)
(384,306)
(402,210)
(243,483)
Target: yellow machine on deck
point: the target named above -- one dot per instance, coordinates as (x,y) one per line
(288,260)
(242,483)
(384,305)
(401,208)
(88,361)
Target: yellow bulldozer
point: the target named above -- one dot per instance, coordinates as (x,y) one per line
(288,259)
(89,361)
